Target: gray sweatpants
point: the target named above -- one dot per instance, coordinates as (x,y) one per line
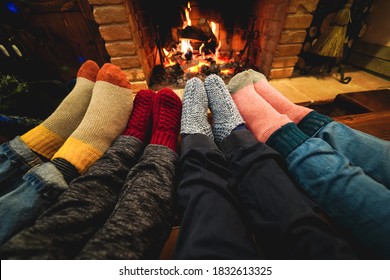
(121,208)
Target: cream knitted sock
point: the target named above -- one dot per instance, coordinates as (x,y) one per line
(104,121)
(46,138)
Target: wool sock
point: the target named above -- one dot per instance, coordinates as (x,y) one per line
(277,100)
(194,118)
(260,117)
(140,121)
(226,116)
(46,138)
(166,119)
(105,119)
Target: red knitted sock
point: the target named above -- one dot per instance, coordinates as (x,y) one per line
(141,118)
(166,119)
(281,103)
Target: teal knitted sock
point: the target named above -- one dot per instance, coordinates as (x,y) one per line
(226,116)
(195,109)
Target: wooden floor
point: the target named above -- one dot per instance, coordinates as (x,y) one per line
(324,88)
(366,91)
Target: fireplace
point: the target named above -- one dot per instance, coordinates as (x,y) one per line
(199,37)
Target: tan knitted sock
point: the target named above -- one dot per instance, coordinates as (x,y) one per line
(46,138)
(104,121)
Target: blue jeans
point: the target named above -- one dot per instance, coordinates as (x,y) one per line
(26,196)
(366,151)
(15,160)
(350,197)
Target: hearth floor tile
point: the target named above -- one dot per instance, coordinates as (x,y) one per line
(307,89)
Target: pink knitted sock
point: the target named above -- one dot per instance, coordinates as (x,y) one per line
(260,117)
(283,105)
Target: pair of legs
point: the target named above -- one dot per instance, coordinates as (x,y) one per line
(345,171)
(122,207)
(237,200)
(36,167)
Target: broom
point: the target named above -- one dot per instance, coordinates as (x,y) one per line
(331,41)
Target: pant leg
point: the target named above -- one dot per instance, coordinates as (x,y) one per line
(62,230)
(39,189)
(143,216)
(212,225)
(284,222)
(15,160)
(366,151)
(345,192)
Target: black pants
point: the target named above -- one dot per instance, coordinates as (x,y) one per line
(239,203)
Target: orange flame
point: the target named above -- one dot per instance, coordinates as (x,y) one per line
(213,27)
(187,13)
(199,58)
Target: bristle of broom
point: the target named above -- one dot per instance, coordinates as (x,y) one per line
(331,41)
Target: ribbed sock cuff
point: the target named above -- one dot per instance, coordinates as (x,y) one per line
(287,139)
(166,139)
(313,122)
(42,141)
(66,168)
(79,154)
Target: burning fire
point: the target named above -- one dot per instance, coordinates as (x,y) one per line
(193,55)
(187,22)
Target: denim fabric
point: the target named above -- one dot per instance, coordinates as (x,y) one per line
(19,208)
(366,151)
(348,195)
(15,160)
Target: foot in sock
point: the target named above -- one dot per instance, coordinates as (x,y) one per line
(277,100)
(226,117)
(106,118)
(260,117)
(50,135)
(194,118)
(140,121)
(166,119)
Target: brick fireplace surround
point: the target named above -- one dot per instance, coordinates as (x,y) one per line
(124,27)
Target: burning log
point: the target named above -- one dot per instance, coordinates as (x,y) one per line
(201,33)
(205,27)
(194,33)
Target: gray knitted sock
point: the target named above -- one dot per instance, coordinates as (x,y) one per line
(194,109)
(226,116)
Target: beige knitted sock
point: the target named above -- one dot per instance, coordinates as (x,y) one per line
(104,121)
(46,138)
